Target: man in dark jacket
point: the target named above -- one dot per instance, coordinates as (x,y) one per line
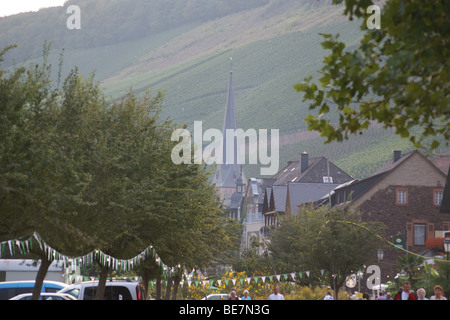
(405,292)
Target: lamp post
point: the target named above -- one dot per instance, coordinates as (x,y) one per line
(380,255)
(447,249)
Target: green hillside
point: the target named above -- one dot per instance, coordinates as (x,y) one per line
(184,47)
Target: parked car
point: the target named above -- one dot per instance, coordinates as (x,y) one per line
(216,296)
(45,296)
(114,290)
(11,289)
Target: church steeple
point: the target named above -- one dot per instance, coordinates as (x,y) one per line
(229,171)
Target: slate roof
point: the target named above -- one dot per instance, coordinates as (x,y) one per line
(278,199)
(316,170)
(302,193)
(258,187)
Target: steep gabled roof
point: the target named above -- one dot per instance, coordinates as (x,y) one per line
(278,199)
(317,169)
(445,204)
(302,193)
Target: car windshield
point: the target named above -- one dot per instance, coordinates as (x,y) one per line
(74,292)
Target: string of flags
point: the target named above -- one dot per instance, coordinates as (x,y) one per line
(263,279)
(24,247)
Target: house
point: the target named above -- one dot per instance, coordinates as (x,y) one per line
(253,206)
(405,195)
(300,182)
(237,199)
(445,204)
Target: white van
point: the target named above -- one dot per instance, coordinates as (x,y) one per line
(114,290)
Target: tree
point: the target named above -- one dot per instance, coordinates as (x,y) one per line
(398,76)
(329,243)
(37,183)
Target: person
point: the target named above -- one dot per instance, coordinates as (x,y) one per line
(421,294)
(405,292)
(276,295)
(328,296)
(438,293)
(388,296)
(246,296)
(233,296)
(382,295)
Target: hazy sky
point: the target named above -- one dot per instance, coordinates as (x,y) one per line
(8,7)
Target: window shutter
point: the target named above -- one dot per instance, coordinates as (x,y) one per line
(410,233)
(430,231)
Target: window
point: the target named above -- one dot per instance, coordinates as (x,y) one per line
(419,234)
(402,196)
(437,197)
(327,179)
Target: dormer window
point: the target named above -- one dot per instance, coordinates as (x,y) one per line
(327,179)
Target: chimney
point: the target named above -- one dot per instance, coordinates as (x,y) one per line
(304,161)
(397,155)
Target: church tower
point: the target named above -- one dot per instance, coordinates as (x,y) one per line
(228,173)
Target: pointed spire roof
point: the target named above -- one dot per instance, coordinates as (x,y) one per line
(229,172)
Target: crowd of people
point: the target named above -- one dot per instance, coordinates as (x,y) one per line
(276,295)
(405,293)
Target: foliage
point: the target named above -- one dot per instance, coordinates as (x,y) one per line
(422,274)
(323,239)
(87,174)
(409,265)
(397,75)
(308,293)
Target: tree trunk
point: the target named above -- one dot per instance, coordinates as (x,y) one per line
(168,288)
(45,264)
(145,281)
(100,294)
(176,283)
(158,287)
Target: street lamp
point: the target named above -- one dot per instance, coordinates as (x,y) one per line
(447,249)
(447,246)
(380,255)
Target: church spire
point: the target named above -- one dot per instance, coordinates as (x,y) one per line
(229,171)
